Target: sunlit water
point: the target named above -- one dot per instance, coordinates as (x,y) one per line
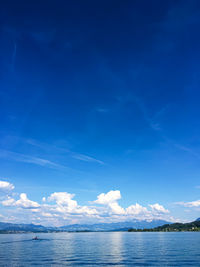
(103,249)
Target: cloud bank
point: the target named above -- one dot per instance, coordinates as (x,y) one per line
(60,208)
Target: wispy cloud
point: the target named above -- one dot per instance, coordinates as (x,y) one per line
(28,159)
(154,122)
(86,158)
(151,120)
(187,149)
(46,150)
(75,155)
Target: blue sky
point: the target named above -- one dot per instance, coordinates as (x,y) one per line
(99,97)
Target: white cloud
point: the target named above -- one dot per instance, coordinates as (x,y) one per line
(8,202)
(22,202)
(136,209)
(6,186)
(60,208)
(110,197)
(63,199)
(110,200)
(116,208)
(87,210)
(46,214)
(158,208)
(191,204)
(66,205)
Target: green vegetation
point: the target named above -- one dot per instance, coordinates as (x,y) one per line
(174,227)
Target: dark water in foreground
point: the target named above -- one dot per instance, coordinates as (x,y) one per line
(101,249)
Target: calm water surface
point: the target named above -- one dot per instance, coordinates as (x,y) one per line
(103,249)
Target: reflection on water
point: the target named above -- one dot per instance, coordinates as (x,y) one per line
(116,247)
(103,249)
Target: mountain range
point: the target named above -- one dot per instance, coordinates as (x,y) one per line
(119,226)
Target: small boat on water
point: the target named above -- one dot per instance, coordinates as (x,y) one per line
(35,238)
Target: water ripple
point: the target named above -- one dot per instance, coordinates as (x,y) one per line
(100,249)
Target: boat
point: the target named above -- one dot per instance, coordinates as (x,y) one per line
(35,238)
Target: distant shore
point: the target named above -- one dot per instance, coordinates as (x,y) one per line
(169,227)
(174,227)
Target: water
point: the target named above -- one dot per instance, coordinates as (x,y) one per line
(101,249)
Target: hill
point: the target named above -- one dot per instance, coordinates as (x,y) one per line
(11,227)
(174,227)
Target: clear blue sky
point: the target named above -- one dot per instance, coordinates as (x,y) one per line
(98,96)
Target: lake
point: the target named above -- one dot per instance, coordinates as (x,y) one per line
(103,249)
